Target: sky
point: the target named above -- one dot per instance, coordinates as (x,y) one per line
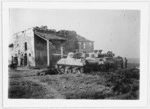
(111,30)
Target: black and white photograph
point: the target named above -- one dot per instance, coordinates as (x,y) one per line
(74,54)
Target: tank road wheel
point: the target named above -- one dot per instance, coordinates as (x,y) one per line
(78,70)
(75,70)
(81,70)
(57,69)
(65,68)
(69,70)
(62,70)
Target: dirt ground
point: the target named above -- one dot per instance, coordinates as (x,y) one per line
(24,83)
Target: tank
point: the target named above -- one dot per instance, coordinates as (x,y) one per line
(93,63)
(81,62)
(112,63)
(108,61)
(74,63)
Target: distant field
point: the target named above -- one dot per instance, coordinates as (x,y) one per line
(133,62)
(122,84)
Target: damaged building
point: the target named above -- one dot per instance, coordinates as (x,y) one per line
(41,47)
(75,42)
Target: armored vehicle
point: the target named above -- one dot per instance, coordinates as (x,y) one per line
(79,63)
(93,63)
(108,61)
(74,63)
(82,62)
(112,63)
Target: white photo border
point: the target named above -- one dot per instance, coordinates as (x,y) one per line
(141,6)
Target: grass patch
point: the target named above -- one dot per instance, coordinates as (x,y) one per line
(26,89)
(121,84)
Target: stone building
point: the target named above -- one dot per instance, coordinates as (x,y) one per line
(40,46)
(33,47)
(75,42)
(85,45)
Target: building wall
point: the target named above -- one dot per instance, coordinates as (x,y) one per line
(52,58)
(40,51)
(70,45)
(86,46)
(18,49)
(73,43)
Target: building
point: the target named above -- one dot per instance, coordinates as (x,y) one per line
(84,44)
(33,47)
(75,42)
(41,47)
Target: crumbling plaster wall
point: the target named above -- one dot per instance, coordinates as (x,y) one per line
(86,47)
(18,48)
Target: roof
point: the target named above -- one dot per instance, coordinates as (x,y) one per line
(82,39)
(49,36)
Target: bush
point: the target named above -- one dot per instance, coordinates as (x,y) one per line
(124,81)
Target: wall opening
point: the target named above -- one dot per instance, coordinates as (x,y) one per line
(25,59)
(25,45)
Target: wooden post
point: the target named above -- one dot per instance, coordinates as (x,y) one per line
(61,51)
(48,55)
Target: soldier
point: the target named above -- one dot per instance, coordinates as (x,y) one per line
(16,59)
(12,59)
(125,63)
(25,59)
(22,63)
(122,63)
